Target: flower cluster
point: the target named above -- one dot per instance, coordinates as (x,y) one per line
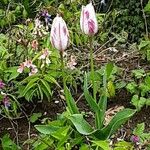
(45,57)
(39,29)
(28,64)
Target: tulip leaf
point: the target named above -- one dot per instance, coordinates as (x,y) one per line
(70,102)
(102,106)
(81,124)
(92,103)
(119,119)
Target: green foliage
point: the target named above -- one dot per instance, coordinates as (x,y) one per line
(8,144)
(35,117)
(144,48)
(139,131)
(125,16)
(140,88)
(123,145)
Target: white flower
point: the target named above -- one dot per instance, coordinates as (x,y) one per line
(88,20)
(45,54)
(72,62)
(21,68)
(34,70)
(59,35)
(28,63)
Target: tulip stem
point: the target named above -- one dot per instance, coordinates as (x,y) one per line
(92,67)
(62,67)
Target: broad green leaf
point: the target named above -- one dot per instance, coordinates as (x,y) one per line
(92,103)
(61,133)
(70,102)
(119,119)
(46,129)
(103,144)
(81,124)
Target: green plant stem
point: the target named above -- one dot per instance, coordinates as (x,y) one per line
(92,68)
(62,68)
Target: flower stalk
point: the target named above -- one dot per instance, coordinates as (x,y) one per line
(62,67)
(92,67)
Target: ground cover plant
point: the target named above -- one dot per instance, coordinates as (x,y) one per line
(73,78)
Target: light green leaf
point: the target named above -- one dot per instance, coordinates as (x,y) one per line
(81,124)
(103,144)
(46,129)
(35,117)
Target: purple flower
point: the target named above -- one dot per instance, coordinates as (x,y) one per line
(6,101)
(46,15)
(135,138)
(2,84)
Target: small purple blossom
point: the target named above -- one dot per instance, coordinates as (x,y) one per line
(135,138)
(6,101)
(2,84)
(46,15)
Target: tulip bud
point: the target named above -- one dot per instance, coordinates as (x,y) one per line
(59,35)
(88,21)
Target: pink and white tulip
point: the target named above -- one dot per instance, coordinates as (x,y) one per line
(59,35)
(88,20)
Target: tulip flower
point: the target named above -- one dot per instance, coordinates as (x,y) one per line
(88,21)
(59,35)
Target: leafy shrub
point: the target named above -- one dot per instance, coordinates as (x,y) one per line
(128,16)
